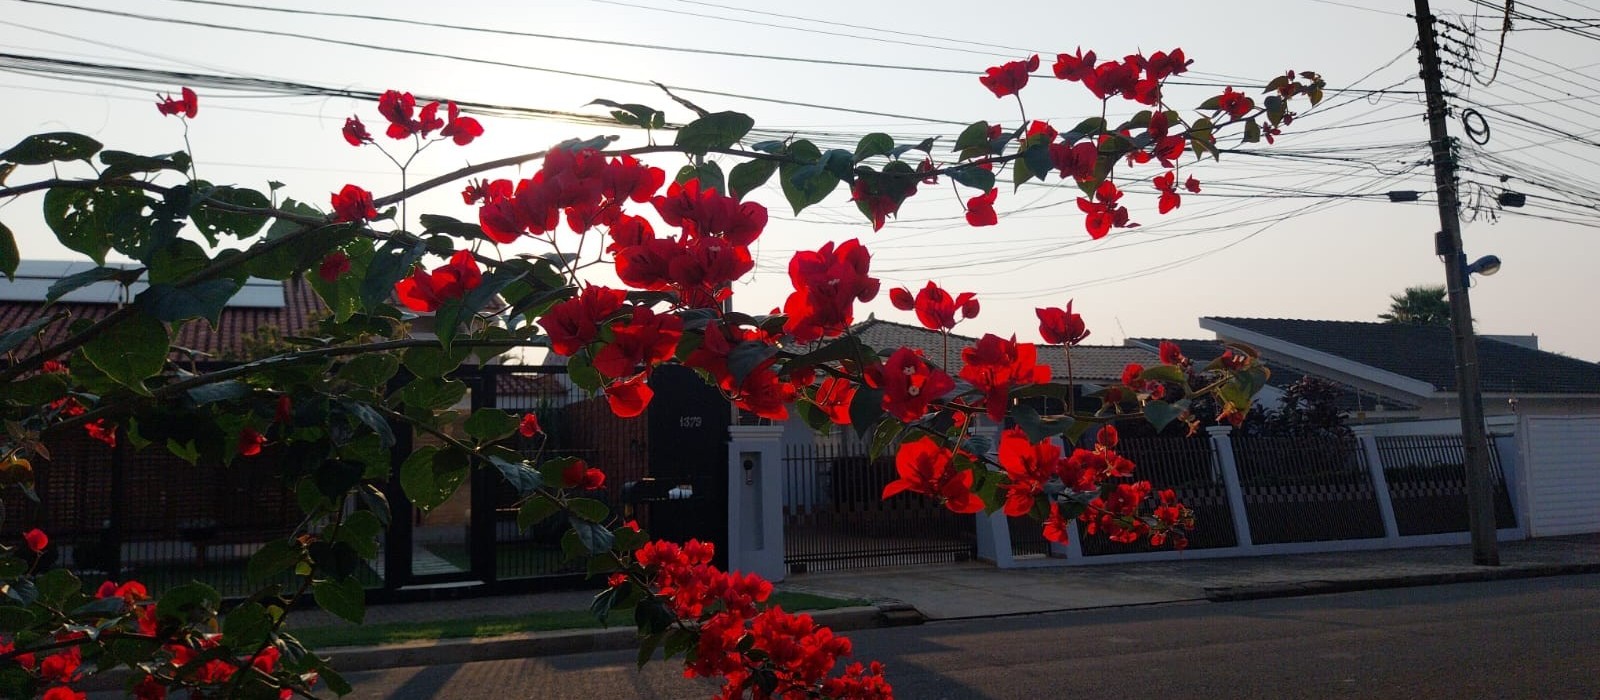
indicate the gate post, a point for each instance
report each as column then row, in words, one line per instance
column 1222, row 446
column 755, row 500
column 1367, row 435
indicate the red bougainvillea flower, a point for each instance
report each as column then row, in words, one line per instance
column 1008, row 78
column 529, row 425
column 1167, row 184
column 1160, row 65
column 424, row 291
column 353, row 204
column 1191, row 184
column 333, row 266
column 706, row 212
column 980, row 209
column 994, row 365
column 486, row 191
column 355, row 133
column 936, row 309
column 627, row 178
column 1061, row 326
column 187, row 105
column 575, row 322
column 460, row 129
column 827, row 284
column 285, row 411
column 579, row 475
column 834, row 396
column 879, row 197
column 629, row 397
column 1029, row 467
column 1056, row 527
column 62, row 692
column 102, row 431
column 36, row 540
column 1104, row 212
column 1235, row 104
column 645, row 338
column 909, row 384
column 398, row 107
column 53, row 367
column 1171, row 354
column 1075, row 67
column 250, row 442
column 132, row 591
column 924, row 467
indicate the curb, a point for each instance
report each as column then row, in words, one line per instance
column 1226, row 594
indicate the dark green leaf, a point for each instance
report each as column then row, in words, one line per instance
column 490, row 424
column 647, row 647
column 14, row 618
column 121, row 163
column 17, row 336
column 372, row 419
column 390, row 263
column 873, row 144
column 131, row 351
column 435, row 223
column 190, row 602
column 77, row 218
column 589, row 509
column 432, row 394
column 274, row 557
column 885, row 435
column 976, row 135
column 976, row 178
column 632, row 114
column 430, row 476
column 768, row 146
column 594, row 537
column 805, row 185
column 246, row 626
column 213, row 220
column 433, row 362
column 371, row 370
column 9, row 255
column 35, row 390
column 360, row 530
column 749, row 175
column 83, row 279
column 204, row 300
column 335, row 478
column 221, row 391
column 837, row 162
column 343, row 597
column 39, row 149
column 747, row 357
column 719, row 130
column 709, row 174
column 1164, row 373
column 534, row 510
column 866, row 407
column 522, row 478
column 926, row 146
column 1160, row 413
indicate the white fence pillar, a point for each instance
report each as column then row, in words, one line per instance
column 755, row 500
column 1222, row 446
column 1367, row 435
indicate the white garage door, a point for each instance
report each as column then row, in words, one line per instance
column 1563, row 474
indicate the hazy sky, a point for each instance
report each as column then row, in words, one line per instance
column 1300, row 229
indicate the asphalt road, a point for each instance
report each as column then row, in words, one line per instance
column 1529, row 638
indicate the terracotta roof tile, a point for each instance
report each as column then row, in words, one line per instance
column 1090, row 363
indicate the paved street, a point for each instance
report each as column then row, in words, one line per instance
column 1507, row 639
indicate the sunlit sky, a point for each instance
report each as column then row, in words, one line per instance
column 1300, row 229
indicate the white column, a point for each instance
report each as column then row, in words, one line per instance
column 755, row 500
column 1222, row 445
column 1367, row 434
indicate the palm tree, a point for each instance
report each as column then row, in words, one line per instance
column 1423, row 306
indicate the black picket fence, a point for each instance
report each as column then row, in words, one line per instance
column 1306, row 489
column 835, row 516
column 1428, row 484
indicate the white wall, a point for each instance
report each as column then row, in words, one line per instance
column 1561, row 458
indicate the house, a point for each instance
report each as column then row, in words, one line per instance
column 1360, row 406
column 1414, row 365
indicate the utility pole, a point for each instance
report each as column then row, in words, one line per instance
column 1447, row 243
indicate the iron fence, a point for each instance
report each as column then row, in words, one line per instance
column 1306, row 489
column 1428, row 484
column 835, row 516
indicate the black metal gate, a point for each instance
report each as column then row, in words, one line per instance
column 1427, row 480
column 835, row 516
column 1307, row 489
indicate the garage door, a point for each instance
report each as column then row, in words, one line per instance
column 1563, row 472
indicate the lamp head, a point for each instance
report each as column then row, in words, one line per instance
column 1486, row 265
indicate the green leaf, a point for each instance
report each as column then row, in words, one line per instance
column 335, row 478
column 746, row 177
column 77, row 219
column 122, row 163
column 283, row 261
column 873, row 144
column 1252, row 132
column 186, row 451
column 246, row 626
column 131, row 351
column 213, row 220
column 37, row 389
column 1164, row 373
column 430, row 476
column 371, row 370
column 975, row 136
column 17, row 336
column 343, row 597
column 372, row 419
column 39, row 149
column 534, row 511
column 633, row 114
column 1160, row 413
column 708, row 173
column 805, row 185
column 14, row 618
column 390, row 263
column 1020, row 173
column 747, row 357
column 431, row 393
column 360, row 530
column 719, row 130
column 885, row 435
column 221, row 391
column 589, row 509
column 10, row 257
column 190, row 602
column 866, row 408
column 435, row 223
column 343, row 294
column 12, row 567
column 594, row 537
column 523, row 478
column 274, row 557
column 204, row 300
column 837, row 163
column 974, row 177
column 427, row 361
column 69, row 283
column 490, row 424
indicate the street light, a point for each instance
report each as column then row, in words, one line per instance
column 1486, row 265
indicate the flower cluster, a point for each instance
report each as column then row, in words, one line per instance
column 768, row 652
column 936, row 309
